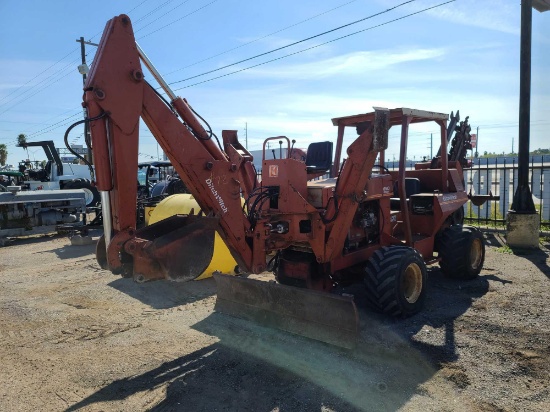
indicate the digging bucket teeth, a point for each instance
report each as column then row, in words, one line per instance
column 316, row 315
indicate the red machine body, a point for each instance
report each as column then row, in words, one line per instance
column 322, row 231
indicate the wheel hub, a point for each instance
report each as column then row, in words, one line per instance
column 89, row 196
column 411, row 283
column 476, row 254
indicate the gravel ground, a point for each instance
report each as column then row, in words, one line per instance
column 75, row 337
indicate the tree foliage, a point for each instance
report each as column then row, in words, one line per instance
column 3, row 154
column 532, row 153
column 22, row 140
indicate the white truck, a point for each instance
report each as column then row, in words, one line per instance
column 57, row 175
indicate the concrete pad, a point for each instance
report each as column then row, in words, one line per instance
column 522, row 230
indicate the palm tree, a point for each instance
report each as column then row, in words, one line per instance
column 3, row 154
column 22, row 142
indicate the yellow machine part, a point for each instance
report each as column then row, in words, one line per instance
column 222, row 261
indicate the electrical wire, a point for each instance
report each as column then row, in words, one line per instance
column 161, row 16
column 151, row 12
column 313, row 47
column 261, row 38
column 38, row 84
column 295, row 43
column 181, row 18
column 38, row 75
column 61, row 123
column 139, row 5
column 50, row 76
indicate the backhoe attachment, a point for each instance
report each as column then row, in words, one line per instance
column 178, row 248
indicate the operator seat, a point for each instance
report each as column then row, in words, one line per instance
column 319, row 157
column 412, row 187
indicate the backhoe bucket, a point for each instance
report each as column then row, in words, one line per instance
column 321, row 316
column 181, row 245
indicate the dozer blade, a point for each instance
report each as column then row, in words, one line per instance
column 321, row 316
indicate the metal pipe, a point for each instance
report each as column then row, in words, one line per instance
column 107, row 218
column 444, row 158
column 402, row 187
column 105, row 196
column 338, row 154
column 155, row 73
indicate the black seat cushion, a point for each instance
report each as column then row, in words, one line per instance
column 319, row 157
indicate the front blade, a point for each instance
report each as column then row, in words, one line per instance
column 321, row 316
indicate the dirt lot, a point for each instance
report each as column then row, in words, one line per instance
column 74, row 337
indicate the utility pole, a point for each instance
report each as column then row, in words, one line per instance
column 431, row 145
column 83, row 69
column 512, row 145
column 246, row 135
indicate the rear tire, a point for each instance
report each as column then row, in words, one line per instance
column 462, row 252
column 92, row 194
column 395, row 281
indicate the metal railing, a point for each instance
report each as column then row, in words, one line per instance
column 498, row 175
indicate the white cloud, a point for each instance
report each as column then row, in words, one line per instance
column 496, row 15
column 357, row 63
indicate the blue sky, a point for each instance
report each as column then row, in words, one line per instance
column 463, row 55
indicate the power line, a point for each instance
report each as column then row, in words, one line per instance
column 50, row 128
column 318, row 45
column 46, row 70
column 161, row 16
column 181, row 18
column 144, row 1
column 261, row 38
column 40, row 90
column 153, row 11
column 42, row 72
column 296, row 42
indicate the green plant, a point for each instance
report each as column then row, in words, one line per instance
column 3, row 154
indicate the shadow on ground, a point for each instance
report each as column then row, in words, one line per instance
column 539, row 256
column 73, row 251
column 31, row 239
column 257, row 369
column 164, row 294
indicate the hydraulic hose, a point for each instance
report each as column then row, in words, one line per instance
column 66, row 139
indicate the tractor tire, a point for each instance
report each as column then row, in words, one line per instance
column 462, row 252
column 457, row 217
column 395, row 281
column 92, row 194
column 176, row 186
